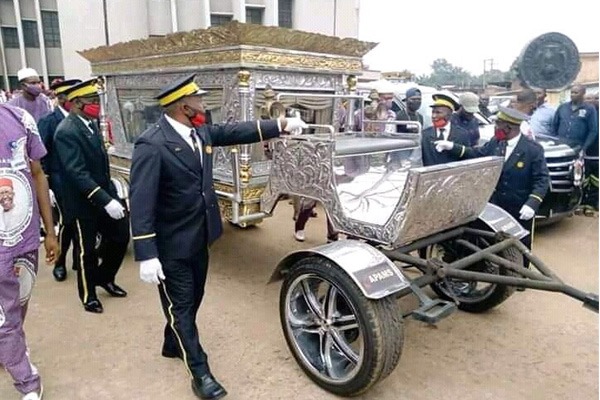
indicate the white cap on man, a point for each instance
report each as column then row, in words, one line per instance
column 384, row 87
column 469, row 102
column 25, row 73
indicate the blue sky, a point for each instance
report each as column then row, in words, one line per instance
column 411, row 34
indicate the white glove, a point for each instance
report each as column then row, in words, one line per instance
column 151, row 271
column 115, row 209
column 526, row 213
column 295, row 125
column 441, row 145
column 52, row 198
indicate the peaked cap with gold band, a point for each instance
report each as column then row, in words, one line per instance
column 511, row 115
column 83, row 89
column 178, row 90
column 443, row 100
column 62, row 86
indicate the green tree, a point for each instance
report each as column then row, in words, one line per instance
column 446, row 74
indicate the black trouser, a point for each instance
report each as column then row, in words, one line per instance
column 528, row 225
column 115, row 239
column 303, row 216
column 590, row 194
column 66, row 235
column 181, row 295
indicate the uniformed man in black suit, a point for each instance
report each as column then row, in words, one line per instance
column 525, row 178
column 175, row 215
column 47, row 127
column 442, row 129
column 91, row 204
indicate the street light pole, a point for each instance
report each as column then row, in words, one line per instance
column 334, row 17
column 105, row 14
column 485, row 62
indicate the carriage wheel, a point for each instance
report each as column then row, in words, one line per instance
column 342, row 340
column 473, row 296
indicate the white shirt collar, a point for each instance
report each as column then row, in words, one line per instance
column 183, row 130
column 64, row 112
column 446, row 129
column 86, row 122
column 513, row 142
column 511, row 145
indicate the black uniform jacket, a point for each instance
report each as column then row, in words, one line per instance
column 174, row 210
column 50, row 163
column 430, row 155
column 525, row 178
column 87, row 187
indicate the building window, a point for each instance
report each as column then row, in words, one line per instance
column 30, row 33
column 285, row 13
column 220, row 19
column 254, row 15
column 11, row 38
column 51, row 29
column 13, row 82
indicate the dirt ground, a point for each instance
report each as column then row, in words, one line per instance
column 536, row 345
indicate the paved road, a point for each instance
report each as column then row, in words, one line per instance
column 534, row 346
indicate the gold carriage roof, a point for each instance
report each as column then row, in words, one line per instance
column 231, row 45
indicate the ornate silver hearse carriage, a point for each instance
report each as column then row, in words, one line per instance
column 339, row 304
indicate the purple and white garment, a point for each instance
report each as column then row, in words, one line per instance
column 20, row 143
column 38, row 108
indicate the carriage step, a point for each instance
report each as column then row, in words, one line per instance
column 432, row 311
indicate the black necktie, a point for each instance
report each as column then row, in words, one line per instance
column 502, row 148
column 441, row 133
column 195, row 144
column 94, row 127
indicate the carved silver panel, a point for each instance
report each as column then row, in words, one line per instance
column 442, row 197
column 290, row 80
column 114, row 115
column 156, row 81
column 379, row 200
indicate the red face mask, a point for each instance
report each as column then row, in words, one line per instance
column 67, row 105
column 440, row 123
column 198, row 120
column 500, row 134
column 91, row 110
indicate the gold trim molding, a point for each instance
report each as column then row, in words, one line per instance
column 250, row 193
column 231, row 34
column 238, row 57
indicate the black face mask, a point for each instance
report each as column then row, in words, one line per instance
column 413, row 105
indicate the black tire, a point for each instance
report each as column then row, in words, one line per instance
column 379, row 332
column 494, row 295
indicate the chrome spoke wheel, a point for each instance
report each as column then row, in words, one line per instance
column 324, row 327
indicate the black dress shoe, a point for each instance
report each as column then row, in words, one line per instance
column 207, row 388
column 93, row 306
column 60, row 273
column 114, row 290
